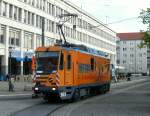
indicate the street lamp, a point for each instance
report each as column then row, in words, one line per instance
column 11, row 86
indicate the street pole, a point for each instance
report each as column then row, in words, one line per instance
column 9, row 63
column 11, row 86
column 10, row 50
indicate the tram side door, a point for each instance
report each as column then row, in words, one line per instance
column 68, row 69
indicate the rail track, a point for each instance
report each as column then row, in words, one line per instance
column 42, row 109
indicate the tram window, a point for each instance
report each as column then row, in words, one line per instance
column 61, row 67
column 69, row 62
column 92, row 63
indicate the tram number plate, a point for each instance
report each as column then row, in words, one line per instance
column 63, row 94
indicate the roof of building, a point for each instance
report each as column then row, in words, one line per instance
column 131, row 36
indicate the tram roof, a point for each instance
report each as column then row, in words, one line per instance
column 87, row 50
column 80, row 48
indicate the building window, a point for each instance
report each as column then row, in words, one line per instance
column 124, row 61
column 17, row 36
column 140, row 55
column 28, row 40
column 50, row 26
column 131, row 55
column 4, row 9
column 38, row 40
column 25, row 16
column 32, row 19
column 33, row 2
column 19, row 14
column 125, row 55
column 2, row 35
column 124, row 42
column 37, row 20
column 10, row 11
column 15, row 13
column 49, row 41
column 29, row 18
column 14, row 36
column 52, row 10
column 118, row 61
column 124, row 49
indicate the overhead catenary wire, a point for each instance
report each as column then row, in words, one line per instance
column 122, row 20
column 119, row 21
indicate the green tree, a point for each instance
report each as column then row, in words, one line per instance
column 145, row 16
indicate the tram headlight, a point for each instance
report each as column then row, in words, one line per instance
column 53, row 89
column 36, row 88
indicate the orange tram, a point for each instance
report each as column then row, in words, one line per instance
column 69, row 73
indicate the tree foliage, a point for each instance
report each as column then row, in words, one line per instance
column 145, row 16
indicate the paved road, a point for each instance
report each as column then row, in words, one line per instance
column 121, row 101
column 43, row 109
column 8, row 107
column 119, row 97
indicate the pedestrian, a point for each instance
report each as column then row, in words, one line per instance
column 7, row 77
column 113, row 74
column 10, row 84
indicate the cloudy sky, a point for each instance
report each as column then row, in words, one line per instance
column 110, row 11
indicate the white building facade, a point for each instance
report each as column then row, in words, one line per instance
column 21, row 29
column 129, row 55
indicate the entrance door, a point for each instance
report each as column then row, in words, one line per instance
column 68, row 70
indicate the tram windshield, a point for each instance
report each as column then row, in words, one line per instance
column 46, row 62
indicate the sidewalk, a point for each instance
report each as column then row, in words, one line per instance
column 21, row 89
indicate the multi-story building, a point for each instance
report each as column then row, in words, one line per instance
column 129, row 55
column 21, row 29
column 148, row 60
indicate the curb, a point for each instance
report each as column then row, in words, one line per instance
column 129, row 82
column 16, row 96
